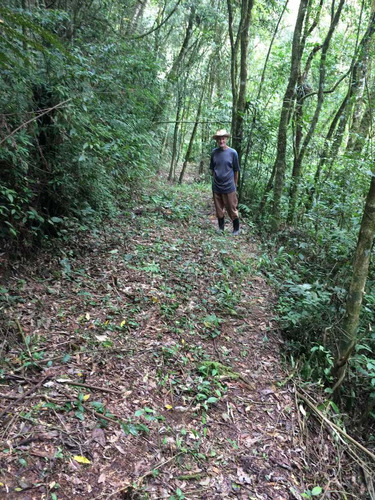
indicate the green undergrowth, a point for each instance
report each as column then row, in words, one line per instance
column 311, row 270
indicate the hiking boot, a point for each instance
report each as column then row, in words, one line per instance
column 221, row 223
column 236, row 227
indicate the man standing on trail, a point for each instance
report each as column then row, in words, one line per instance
column 224, row 169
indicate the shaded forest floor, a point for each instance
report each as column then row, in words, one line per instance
column 143, row 361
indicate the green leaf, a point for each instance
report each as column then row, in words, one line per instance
column 211, row 400
column 316, row 491
column 335, row 407
column 79, row 415
column 97, row 405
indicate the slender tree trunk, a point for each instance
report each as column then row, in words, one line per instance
column 268, row 189
column 239, row 80
column 361, row 122
column 349, row 338
column 325, row 154
column 173, row 74
column 189, row 30
column 254, row 118
column 183, row 128
column 360, row 133
column 280, row 161
column 297, row 168
column 135, row 15
column 164, row 144
column 337, row 128
column 195, row 128
column 175, row 139
column 302, row 91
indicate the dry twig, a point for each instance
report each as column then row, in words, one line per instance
column 335, row 427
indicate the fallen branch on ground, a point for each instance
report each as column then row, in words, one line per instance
column 87, row 386
column 334, row 426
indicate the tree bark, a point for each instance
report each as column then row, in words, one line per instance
column 254, row 117
column 300, row 153
column 349, row 338
column 175, row 138
column 195, row 128
column 336, row 132
column 360, row 133
column 289, row 97
column 239, row 48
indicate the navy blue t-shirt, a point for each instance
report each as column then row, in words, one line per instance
column 224, row 162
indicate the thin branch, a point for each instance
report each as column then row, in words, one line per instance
column 25, row 395
column 335, row 427
column 87, row 386
column 124, row 488
column 269, row 50
column 159, row 25
column 332, row 89
column 184, row 121
column 25, row 341
column 35, row 118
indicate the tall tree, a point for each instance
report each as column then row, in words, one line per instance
column 301, row 148
column 289, row 96
column 250, row 137
column 194, row 131
column 338, row 125
column 348, row 337
column 239, row 69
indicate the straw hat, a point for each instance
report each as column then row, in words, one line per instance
column 221, row 133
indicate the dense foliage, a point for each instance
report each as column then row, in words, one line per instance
column 83, row 114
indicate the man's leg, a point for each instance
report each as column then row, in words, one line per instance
column 219, row 207
column 231, row 204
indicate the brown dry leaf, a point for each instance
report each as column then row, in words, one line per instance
column 98, row 436
column 46, row 453
column 102, row 478
column 266, row 392
column 215, row 470
column 205, row 482
column 120, row 449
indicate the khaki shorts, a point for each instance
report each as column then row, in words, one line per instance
column 226, row 201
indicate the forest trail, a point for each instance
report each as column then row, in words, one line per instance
column 146, row 364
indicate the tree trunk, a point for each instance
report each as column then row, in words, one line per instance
column 360, row 133
column 254, row 118
column 239, row 80
column 280, row 161
column 137, row 12
column 300, row 153
column 171, row 175
column 195, row 128
column 348, row 338
column 189, row 30
column 337, row 128
column 302, row 91
column 181, row 141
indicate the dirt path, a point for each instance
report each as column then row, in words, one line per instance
column 143, row 362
